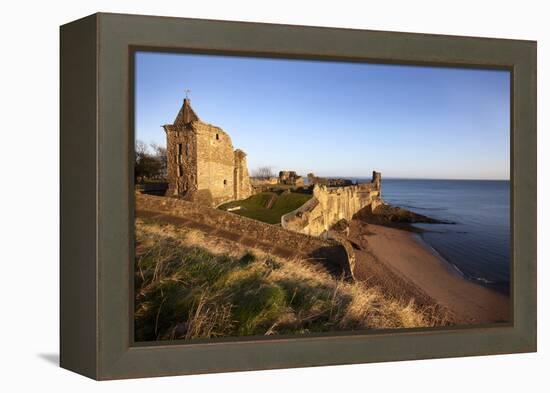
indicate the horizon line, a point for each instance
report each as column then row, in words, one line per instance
column 415, row 178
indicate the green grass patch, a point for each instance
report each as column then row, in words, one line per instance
column 188, row 292
column 268, row 207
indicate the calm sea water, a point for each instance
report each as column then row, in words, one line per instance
column 478, row 244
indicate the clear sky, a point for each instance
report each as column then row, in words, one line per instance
column 337, row 118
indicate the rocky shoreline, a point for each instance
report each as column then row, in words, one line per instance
column 396, row 217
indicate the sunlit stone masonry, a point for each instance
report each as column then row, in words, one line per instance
column 202, row 164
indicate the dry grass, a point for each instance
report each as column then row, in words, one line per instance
column 191, row 286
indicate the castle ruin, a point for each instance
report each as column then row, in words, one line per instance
column 328, row 181
column 202, row 165
column 329, row 205
column 290, row 178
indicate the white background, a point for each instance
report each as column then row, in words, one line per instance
column 29, row 245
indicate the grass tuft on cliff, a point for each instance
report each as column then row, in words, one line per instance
column 268, row 207
column 188, row 286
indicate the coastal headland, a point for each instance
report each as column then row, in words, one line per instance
column 223, row 253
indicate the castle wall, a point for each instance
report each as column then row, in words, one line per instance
column 335, row 254
column 202, row 165
column 241, row 179
column 290, row 178
column 181, row 148
column 271, row 181
column 215, row 163
column 332, row 204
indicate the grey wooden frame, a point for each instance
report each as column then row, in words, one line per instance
column 97, row 197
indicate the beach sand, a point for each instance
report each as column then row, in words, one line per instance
column 401, row 264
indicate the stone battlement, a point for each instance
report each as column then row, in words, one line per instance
column 332, row 204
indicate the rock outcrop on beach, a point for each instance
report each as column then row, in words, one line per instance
column 390, row 215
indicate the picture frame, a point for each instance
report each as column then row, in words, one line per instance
column 97, row 200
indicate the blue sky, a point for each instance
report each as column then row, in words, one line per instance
column 337, row 118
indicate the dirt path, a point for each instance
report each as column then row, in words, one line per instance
column 404, row 266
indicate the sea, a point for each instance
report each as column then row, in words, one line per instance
column 477, row 244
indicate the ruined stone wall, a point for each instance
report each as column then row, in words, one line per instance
column 327, row 181
column 271, row 236
column 241, row 179
column 290, row 178
column 202, row 165
column 215, row 163
column 181, row 148
column 285, row 176
column 332, row 204
column 270, row 181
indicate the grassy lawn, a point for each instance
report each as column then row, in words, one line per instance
column 268, row 206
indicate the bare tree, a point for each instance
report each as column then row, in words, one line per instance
column 263, row 172
column 147, row 166
column 141, row 148
column 162, row 157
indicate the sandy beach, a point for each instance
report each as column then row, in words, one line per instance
column 400, row 263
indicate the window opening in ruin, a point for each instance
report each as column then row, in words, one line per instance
column 180, row 152
column 217, row 136
column 224, row 182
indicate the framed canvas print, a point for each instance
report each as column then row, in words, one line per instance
column 239, row 196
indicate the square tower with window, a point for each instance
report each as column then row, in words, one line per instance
column 203, row 166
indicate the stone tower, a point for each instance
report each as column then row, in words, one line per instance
column 202, row 164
